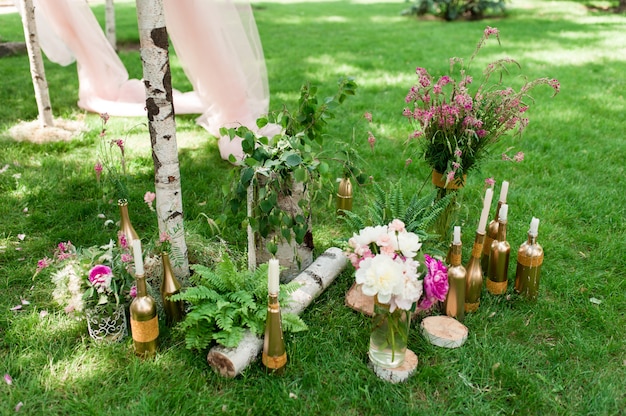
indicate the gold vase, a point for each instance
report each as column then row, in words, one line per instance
column 474, row 275
column 344, row 196
column 274, row 356
column 529, row 261
column 125, row 225
column 491, row 235
column 499, row 254
column 447, row 217
column 144, row 323
column 174, row 310
column 454, row 305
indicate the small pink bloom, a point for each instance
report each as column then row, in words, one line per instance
column 98, row 168
column 397, row 226
column 164, row 236
column 450, row 176
column 43, row 263
column 408, row 162
column 104, row 117
column 371, row 139
column 368, row 116
column 8, row 379
column 458, row 153
column 122, row 240
column 120, row 144
column 126, row 258
column 491, row 31
column 133, row 291
column 490, row 181
column 149, row 198
column 519, row 156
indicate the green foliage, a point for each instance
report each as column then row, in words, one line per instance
column 273, row 166
column 456, row 9
column 225, row 302
column 418, row 215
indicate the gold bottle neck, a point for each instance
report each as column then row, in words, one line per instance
column 141, row 285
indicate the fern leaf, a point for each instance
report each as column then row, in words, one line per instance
column 293, row 323
column 230, row 338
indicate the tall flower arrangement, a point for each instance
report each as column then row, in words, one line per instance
column 391, row 267
column 455, row 123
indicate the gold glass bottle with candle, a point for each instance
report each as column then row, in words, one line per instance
column 473, row 270
column 144, row 323
column 492, row 228
column 344, row 196
column 174, row 310
column 497, row 275
column 454, row 305
column 125, row 225
column 529, row 261
column 274, row 355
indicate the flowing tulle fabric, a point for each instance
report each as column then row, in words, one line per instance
column 216, row 41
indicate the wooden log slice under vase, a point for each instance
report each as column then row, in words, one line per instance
column 398, row 374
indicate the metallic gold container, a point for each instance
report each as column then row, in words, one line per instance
column 474, row 275
column 274, row 356
column 174, row 310
column 344, row 196
column 125, row 225
column 497, row 275
column 529, row 261
column 454, row 305
column 492, row 234
column 144, row 323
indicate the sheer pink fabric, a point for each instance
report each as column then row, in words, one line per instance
column 216, row 41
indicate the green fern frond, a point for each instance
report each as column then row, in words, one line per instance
column 353, row 221
column 230, row 338
column 293, row 323
column 195, row 294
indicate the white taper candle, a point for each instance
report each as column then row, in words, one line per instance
column 503, row 191
column 456, row 239
column 485, row 214
column 137, row 253
column 273, row 273
column 534, row 226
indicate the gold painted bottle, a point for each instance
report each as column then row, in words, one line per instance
column 497, row 275
column 344, row 196
column 474, row 275
column 529, row 261
column 454, row 305
column 144, row 323
column 274, row 354
column 174, row 310
column 125, row 225
column 492, row 228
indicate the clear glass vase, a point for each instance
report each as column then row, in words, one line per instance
column 105, row 324
column 390, row 333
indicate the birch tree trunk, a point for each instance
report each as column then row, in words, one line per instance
column 109, row 23
column 37, row 71
column 162, row 127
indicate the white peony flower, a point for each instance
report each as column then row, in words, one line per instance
column 409, row 244
column 369, row 235
column 381, row 276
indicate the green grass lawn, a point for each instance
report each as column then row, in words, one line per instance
column 563, row 354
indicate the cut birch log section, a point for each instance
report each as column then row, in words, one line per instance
column 356, row 300
column 229, row 362
column 444, row 331
column 398, row 374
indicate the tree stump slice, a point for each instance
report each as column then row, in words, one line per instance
column 356, row 300
column 398, row 374
column 444, row 331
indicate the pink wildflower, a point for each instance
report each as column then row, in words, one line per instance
column 104, row 117
column 490, row 181
column 450, row 176
column 519, row 156
column 149, row 198
column 408, row 162
column 43, row 263
column 458, row 152
column 133, row 291
column 368, row 116
column 164, row 237
column 555, row 85
column 122, row 240
column 126, row 258
column 371, row 139
column 491, row 31
column 98, row 168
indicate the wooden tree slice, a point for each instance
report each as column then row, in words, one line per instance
column 398, row 374
column 444, row 331
column 356, row 300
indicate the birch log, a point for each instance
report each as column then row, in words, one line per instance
column 37, row 72
column 162, row 126
column 230, row 362
column 109, row 23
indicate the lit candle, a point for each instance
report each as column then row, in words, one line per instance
column 485, row 213
column 456, row 235
column 534, row 226
column 503, row 191
column 138, row 257
column 273, row 277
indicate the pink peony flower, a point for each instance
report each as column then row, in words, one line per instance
column 100, row 275
column 436, row 280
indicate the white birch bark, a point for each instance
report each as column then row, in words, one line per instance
column 37, row 71
column 109, row 23
column 230, row 362
column 162, row 127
